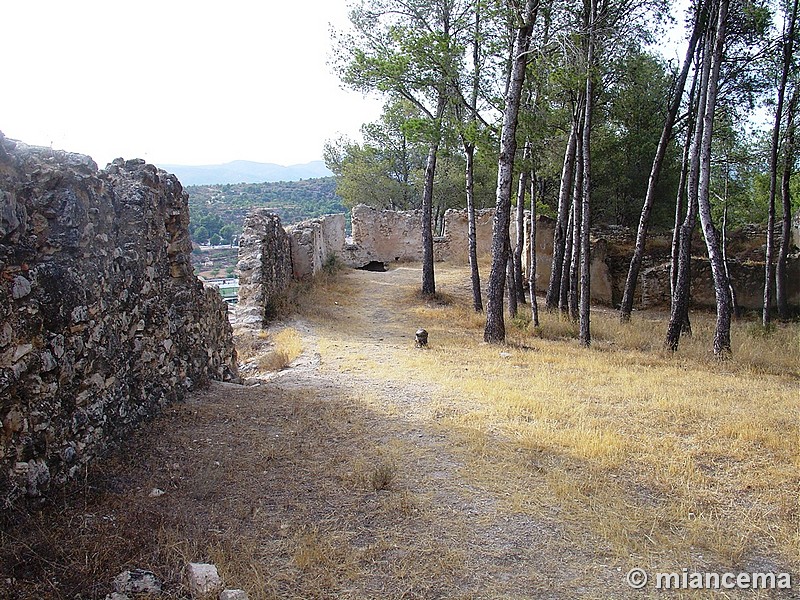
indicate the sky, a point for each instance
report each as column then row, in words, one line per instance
column 176, row 81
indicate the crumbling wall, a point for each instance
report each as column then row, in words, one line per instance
column 390, row 236
column 265, row 264
column 601, row 286
column 102, row 321
column 454, row 245
column 384, row 236
column 747, row 278
column 395, row 235
column 315, row 242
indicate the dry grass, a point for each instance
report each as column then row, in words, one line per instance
column 663, row 459
column 652, row 451
column 287, row 346
column 266, row 351
column 537, row 469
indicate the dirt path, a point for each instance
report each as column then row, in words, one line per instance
column 332, row 479
column 395, row 497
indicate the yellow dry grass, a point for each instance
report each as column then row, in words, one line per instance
column 287, row 346
column 465, row 470
column 268, row 350
column 665, row 457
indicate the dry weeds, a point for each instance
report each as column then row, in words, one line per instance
column 537, row 469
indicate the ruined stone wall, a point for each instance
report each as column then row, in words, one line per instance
column 395, row 235
column 796, row 230
column 384, row 236
column 454, row 245
column 265, row 265
column 747, row 278
column 102, row 321
column 602, row 284
column 390, row 236
column 315, row 242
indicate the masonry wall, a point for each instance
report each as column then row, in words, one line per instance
column 390, row 236
column 453, row 246
column 102, row 322
column 384, row 236
column 748, row 283
column 316, row 242
column 265, row 265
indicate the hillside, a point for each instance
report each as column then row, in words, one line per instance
column 367, row 468
column 219, row 210
column 245, row 171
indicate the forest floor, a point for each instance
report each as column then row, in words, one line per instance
column 368, row 468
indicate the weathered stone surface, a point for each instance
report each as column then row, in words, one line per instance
column 95, row 277
column 453, row 246
column 232, row 595
column 20, row 288
column 203, row 579
column 381, row 236
column 315, row 242
column 265, row 264
column 748, row 284
column 384, row 236
column 137, row 581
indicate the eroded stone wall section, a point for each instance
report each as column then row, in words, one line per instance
column 385, row 236
column 102, row 322
column 315, row 243
column 265, row 265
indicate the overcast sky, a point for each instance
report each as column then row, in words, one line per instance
column 176, row 81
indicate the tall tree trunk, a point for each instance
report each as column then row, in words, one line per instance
column 679, row 208
column 577, row 212
column 725, row 250
column 495, row 330
column 472, row 237
column 428, row 280
column 560, row 232
column 469, row 152
column 786, row 198
column 586, row 255
column 655, row 171
column 532, row 253
column 511, row 291
column 679, row 311
column 519, row 246
column 566, row 267
column 787, row 47
column 722, row 332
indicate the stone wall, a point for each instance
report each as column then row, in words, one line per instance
column 265, row 265
column 747, row 277
column 453, row 246
column 102, row 321
column 796, row 230
column 384, row 236
column 315, row 243
column 390, row 236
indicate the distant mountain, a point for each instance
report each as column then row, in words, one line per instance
column 243, row 171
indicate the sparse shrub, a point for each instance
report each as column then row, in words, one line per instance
column 521, row 321
column 288, row 345
column 332, row 265
column 757, row 331
column 383, row 475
